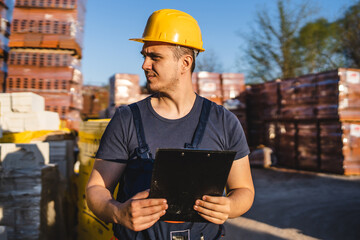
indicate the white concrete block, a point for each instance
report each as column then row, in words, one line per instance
column 26, row 102
column 12, row 122
column 5, row 103
column 33, row 121
column 46, row 120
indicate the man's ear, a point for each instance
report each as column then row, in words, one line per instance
column 187, row 63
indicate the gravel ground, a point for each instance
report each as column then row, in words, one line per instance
column 300, row 205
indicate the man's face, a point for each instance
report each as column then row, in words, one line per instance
column 160, row 66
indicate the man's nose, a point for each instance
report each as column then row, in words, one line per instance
column 146, row 64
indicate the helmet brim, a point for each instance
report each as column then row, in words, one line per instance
column 143, row 40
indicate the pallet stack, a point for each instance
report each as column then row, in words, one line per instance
column 31, row 196
column 312, row 122
column 232, row 85
column 254, row 113
column 6, row 11
column 218, row 87
column 124, row 89
column 45, row 57
column 95, row 101
column 209, row 86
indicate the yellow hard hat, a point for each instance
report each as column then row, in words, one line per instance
column 172, row 26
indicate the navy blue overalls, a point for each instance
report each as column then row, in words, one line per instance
column 137, row 175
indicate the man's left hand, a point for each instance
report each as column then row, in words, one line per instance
column 213, row 209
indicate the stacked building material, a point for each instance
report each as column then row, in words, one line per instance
column 6, row 11
column 209, row 86
column 25, row 112
column 299, row 97
column 271, row 100
column 307, row 146
column 30, row 196
column 233, row 84
column 317, row 122
column 124, row 89
column 218, row 87
column 286, row 150
column 255, row 118
column 89, row 226
column 48, row 24
column 45, row 56
column 339, row 95
column 95, row 101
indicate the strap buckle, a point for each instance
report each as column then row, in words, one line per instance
column 143, row 152
column 189, row 146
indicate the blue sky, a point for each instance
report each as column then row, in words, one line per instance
column 110, row 23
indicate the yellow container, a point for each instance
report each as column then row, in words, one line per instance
column 89, row 226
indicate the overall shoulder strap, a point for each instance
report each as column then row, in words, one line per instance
column 143, row 150
column 200, row 128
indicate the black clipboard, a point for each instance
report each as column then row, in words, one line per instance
column 183, row 175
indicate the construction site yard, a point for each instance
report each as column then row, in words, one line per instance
column 292, row 204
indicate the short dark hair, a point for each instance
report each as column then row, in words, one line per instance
column 180, row 51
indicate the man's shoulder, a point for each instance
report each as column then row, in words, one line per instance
column 143, row 102
column 219, row 109
column 125, row 111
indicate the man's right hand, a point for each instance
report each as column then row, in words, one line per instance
column 140, row 213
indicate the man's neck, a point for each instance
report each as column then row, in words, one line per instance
column 174, row 105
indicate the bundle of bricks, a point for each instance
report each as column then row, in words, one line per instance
column 45, row 54
column 218, row 87
column 6, row 10
column 95, row 101
column 311, row 122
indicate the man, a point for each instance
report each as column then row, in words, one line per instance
column 168, row 119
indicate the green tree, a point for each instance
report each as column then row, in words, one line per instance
column 318, row 47
column 272, row 51
column 350, row 35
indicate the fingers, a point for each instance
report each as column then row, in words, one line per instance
column 141, row 195
column 212, row 219
column 146, row 202
column 213, row 209
column 140, row 212
column 139, row 208
column 145, row 221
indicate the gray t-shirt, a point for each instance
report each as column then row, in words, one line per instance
column 223, row 131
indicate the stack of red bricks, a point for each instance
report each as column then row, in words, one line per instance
column 218, row 87
column 45, row 57
column 6, row 10
column 49, row 24
column 95, row 101
column 124, row 89
column 315, row 124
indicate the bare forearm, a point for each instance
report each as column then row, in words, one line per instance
column 101, row 203
column 241, row 200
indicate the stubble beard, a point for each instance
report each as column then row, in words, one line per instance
column 155, row 85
